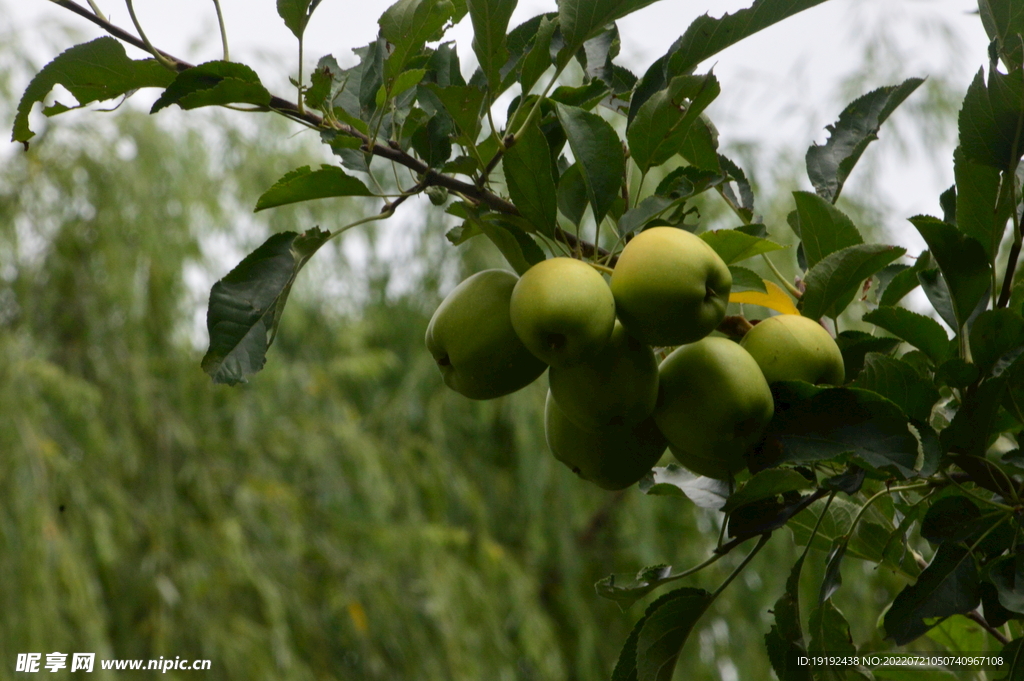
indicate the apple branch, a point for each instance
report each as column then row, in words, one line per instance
column 390, row 151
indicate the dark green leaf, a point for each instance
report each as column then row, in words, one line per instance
column 787, row 608
column 934, row 287
column 303, row 184
column 444, row 67
column 766, row 484
column 246, row 305
column 1013, row 661
column 663, row 122
column 995, row 614
column 490, row 22
column 948, row 586
column 214, row 83
column 572, row 194
column 666, row 629
column 688, row 181
column 531, row 180
column 904, row 282
column 538, row 59
column 856, row 344
column 829, row 165
column 823, row 228
column 971, row 429
column 582, row 19
column 963, row 263
column 627, row 590
column 463, row 104
column 950, row 519
column 832, row 283
column 408, row 25
column 462, row 233
column 91, row 72
column 432, row 141
column 746, row 280
column 677, row 481
column 296, row 14
column 597, row 55
column 991, row 121
column 924, row 333
column 830, row 636
column 898, row 381
column 598, row 153
column 1004, row 23
column 734, row 246
column 956, row 373
column 634, row 219
column 745, row 202
column 521, row 251
column 994, row 334
column 1007, row 575
column 700, row 148
column 833, row 578
column 785, row 657
column 977, row 196
column 585, row 97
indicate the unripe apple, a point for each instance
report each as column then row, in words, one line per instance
column 611, row 458
column 789, row 347
column 713, row 405
column 563, row 311
column 473, row 342
column 670, row 287
column 618, row 387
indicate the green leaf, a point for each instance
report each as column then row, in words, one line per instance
column 538, row 59
column 833, row 578
column 971, row 429
column 948, row 586
column 463, row 103
column 246, row 305
column 634, row 219
column 950, row 519
column 408, row 25
column 688, row 181
column 904, row 282
column 91, row 72
column 326, row 81
column 823, row 228
column 700, row 148
column 303, row 184
column 677, row 481
column 994, row 334
column 627, row 590
column 977, row 194
column 924, row 333
column 531, row 180
column 992, row 120
column 898, row 381
column 734, row 246
column 746, row 280
column 665, row 630
column 432, row 141
column 855, row 345
column 830, row 636
column 934, row 287
column 490, row 23
column 585, row 97
column 598, row 153
column 1007, row 574
column 214, row 83
column 582, row 19
column 1013, row 661
column 296, row 14
column 829, row 165
column 832, row 283
column 1004, row 23
column 785, row 657
column 963, row 263
column 663, row 122
column 766, row 484
column 572, row 194
column 519, row 249
column 399, row 84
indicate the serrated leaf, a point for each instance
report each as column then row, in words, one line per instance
column 303, row 184
column 935, row 289
column 924, row 333
column 823, row 228
column 572, row 194
column 904, row 282
column 432, row 141
column 700, row 148
column 977, row 194
column 463, row 104
column 582, row 19
column 784, row 657
column 490, row 23
column 1004, row 23
column 962, row 260
column 521, row 251
column 994, row 334
column 665, row 631
column 531, row 181
column 744, row 204
column 766, row 484
column 970, row 429
column 538, row 59
column 650, row 208
column 95, row 71
column 662, row 124
column 733, row 246
column 832, row 283
column 744, row 279
column 829, row 165
column 598, row 153
column 830, row 636
column 398, row 85
column 214, row 83
column 246, row 305
column 855, row 345
column 585, row 97
column 833, row 578
column 627, row 590
column 295, row 14
column 408, row 25
column 774, row 299
column 991, row 122
column 948, row 586
column 896, row 380
column 677, row 481
column 950, row 519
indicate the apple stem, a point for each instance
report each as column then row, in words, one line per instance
column 601, row 268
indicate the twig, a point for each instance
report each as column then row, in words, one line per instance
column 976, row 617
column 142, row 34
column 223, row 30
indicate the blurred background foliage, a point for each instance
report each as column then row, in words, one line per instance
column 344, row 516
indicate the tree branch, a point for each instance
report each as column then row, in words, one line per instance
column 392, row 152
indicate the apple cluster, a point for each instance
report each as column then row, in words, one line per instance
column 612, row 409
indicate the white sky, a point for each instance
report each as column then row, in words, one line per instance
column 778, row 87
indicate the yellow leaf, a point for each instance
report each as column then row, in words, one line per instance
column 358, row 615
column 776, row 299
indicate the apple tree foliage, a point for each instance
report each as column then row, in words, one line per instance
column 914, row 464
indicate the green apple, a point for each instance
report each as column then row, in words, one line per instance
column 611, row 458
column 713, row 405
column 473, row 342
column 789, row 347
column 563, row 311
column 670, row 287
column 618, row 387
